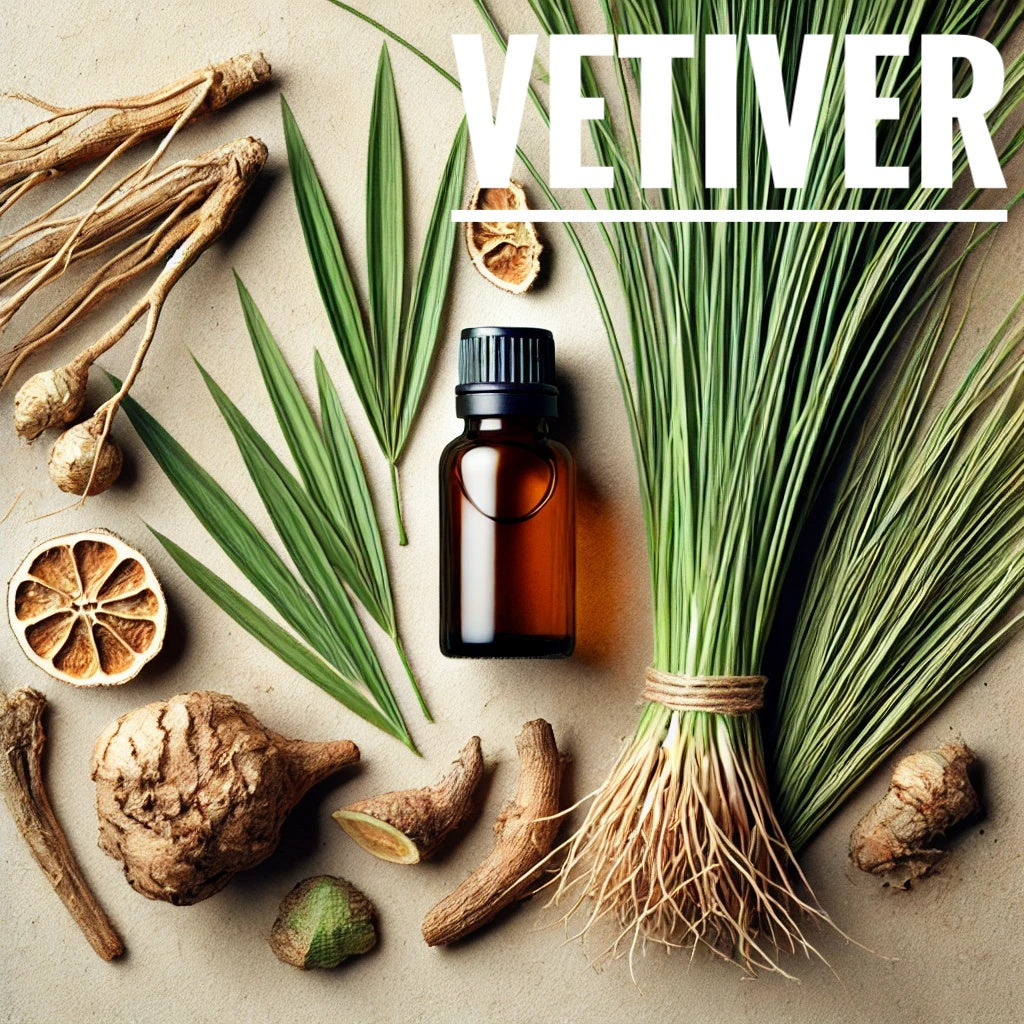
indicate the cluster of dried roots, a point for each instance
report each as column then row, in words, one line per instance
column 680, row 847
column 150, row 218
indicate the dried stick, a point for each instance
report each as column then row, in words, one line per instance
column 523, row 836
column 63, row 140
column 21, row 778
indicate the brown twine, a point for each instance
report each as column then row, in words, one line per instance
column 723, row 695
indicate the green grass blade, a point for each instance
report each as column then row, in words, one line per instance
column 385, row 239
column 235, row 533
column 331, row 491
column 426, row 304
column 332, row 274
column 279, row 641
column 347, row 466
column 291, row 519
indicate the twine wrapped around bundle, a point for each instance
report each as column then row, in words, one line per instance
column 722, row 695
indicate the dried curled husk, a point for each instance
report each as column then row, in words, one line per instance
column 507, row 253
column 53, row 398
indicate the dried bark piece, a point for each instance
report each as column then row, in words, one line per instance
column 191, row 790
column 524, row 834
column 507, row 253
column 21, row 778
column 87, row 608
column 929, row 793
column 408, row 826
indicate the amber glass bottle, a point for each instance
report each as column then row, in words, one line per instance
column 508, row 504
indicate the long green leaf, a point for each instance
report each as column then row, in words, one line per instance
column 236, row 535
column 294, row 518
column 385, row 238
column 337, row 638
column 341, row 509
column 389, row 363
column 278, row 640
column 332, row 491
column 332, row 274
column 426, row 305
column 345, row 459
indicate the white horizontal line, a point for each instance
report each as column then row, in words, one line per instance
column 734, row 216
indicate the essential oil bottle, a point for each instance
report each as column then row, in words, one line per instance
column 508, row 504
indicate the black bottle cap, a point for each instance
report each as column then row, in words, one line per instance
column 506, row 371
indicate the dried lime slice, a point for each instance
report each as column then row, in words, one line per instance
column 87, row 608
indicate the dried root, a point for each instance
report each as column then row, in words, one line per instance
column 409, row 826
column 524, row 834
column 71, row 137
column 186, row 207
column 680, row 847
column 147, row 219
column 929, row 793
column 21, row 778
column 82, row 461
column 191, row 790
column 52, row 398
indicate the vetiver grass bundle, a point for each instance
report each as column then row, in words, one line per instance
column 914, row 586
column 748, row 350
column 752, row 346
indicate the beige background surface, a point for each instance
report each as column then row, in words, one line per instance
column 949, row 950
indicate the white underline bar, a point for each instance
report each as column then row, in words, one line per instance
column 733, row 216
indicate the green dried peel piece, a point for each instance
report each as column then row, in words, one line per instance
column 323, row 921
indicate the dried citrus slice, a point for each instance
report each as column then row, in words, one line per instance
column 507, row 253
column 87, row 608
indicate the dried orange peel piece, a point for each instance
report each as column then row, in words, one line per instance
column 507, row 253
column 87, row 608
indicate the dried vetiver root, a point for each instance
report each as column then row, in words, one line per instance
column 323, row 921
column 524, row 834
column 87, row 609
column 507, row 253
column 21, row 778
column 408, row 826
column 929, row 793
column 53, row 398
column 191, row 790
column 77, row 460
column 189, row 202
column 70, row 137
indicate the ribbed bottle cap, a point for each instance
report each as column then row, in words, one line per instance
column 506, row 371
